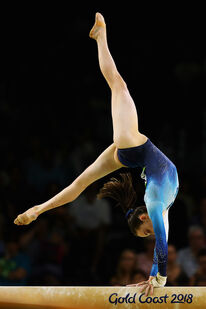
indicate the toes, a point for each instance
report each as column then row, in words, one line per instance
column 99, row 20
column 19, row 220
column 16, row 222
column 99, row 17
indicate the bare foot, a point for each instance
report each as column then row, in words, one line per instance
column 99, row 26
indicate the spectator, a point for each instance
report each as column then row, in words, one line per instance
column 33, row 240
column 175, row 274
column 89, row 213
column 199, row 278
column 47, row 250
column 125, row 268
column 48, row 266
column 138, row 276
column 45, row 144
column 14, row 265
column 92, row 218
column 187, row 257
column 144, row 259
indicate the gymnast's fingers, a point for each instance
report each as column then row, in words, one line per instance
column 147, row 290
column 151, row 290
column 143, row 287
column 134, row 284
column 142, row 283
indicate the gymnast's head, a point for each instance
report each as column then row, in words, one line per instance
column 122, row 191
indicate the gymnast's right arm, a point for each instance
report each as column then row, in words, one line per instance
column 102, row 166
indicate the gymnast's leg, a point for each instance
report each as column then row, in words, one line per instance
column 124, row 113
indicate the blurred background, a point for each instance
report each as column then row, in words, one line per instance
column 55, row 119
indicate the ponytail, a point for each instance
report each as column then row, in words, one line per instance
column 122, row 191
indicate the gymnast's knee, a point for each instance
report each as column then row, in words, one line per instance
column 118, row 83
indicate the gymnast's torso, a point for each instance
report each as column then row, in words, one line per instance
column 159, row 172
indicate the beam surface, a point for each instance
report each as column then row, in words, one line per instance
column 101, row 297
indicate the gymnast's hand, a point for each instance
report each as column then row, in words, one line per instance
column 146, row 286
column 153, row 282
column 27, row 217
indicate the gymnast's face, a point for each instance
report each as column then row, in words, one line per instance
column 146, row 228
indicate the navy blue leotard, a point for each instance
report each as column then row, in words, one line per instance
column 161, row 189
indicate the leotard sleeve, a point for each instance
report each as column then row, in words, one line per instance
column 154, row 269
column 155, row 210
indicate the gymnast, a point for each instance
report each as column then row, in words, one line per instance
column 131, row 149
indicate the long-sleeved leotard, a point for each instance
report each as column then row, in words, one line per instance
column 154, row 269
column 161, row 189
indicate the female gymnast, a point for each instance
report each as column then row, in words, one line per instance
column 130, row 149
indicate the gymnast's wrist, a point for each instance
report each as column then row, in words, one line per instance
column 159, row 281
column 151, row 277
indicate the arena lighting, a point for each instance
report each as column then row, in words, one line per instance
column 100, row 297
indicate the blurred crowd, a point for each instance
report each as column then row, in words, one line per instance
column 55, row 119
column 87, row 242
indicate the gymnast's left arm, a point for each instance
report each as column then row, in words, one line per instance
column 158, row 275
column 155, row 210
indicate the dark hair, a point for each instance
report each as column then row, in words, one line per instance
column 122, row 191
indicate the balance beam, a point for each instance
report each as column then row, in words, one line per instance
column 100, row 297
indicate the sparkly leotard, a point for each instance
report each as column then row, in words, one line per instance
column 161, row 189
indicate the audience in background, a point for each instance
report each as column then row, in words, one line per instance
column 14, row 265
column 138, row 276
column 55, row 120
column 144, row 260
column 125, row 268
column 79, row 243
column 175, row 274
column 187, row 257
column 91, row 219
column 47, row 248
column 199, row 277
column 70, row 244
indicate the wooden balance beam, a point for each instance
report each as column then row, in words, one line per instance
column 101, row 297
